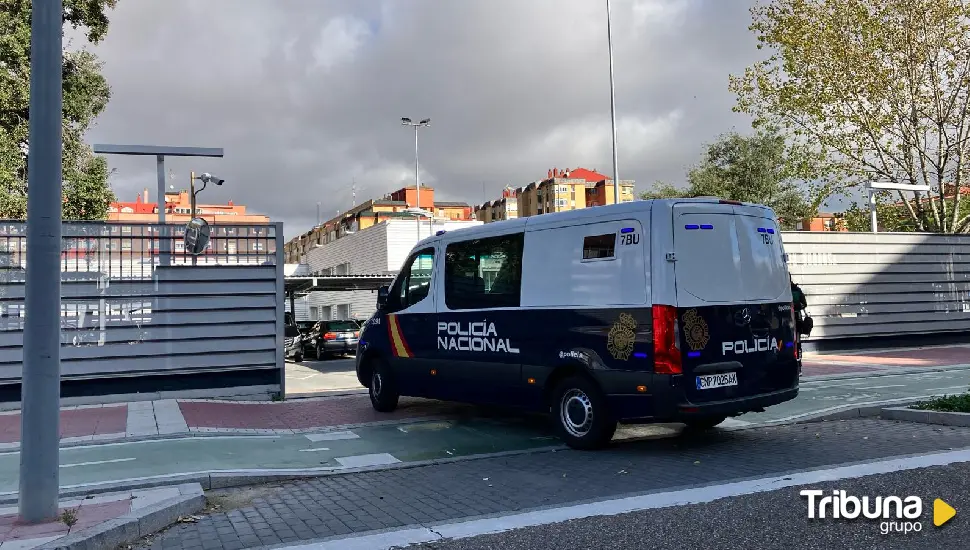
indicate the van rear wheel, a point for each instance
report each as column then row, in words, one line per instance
column 583, row 418
column 383, row 390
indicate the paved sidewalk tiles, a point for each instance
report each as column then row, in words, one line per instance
column 297, row 415
column 350, row 503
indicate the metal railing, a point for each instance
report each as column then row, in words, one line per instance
column 131, row 250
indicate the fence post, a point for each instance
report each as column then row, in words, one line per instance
column 280, row 308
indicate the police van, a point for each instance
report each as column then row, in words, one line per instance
column 645, row 311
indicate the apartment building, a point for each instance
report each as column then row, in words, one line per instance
column 393, row 206
column 178, row 207
column 372, row 238
column 561, row 190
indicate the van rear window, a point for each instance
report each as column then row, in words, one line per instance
column 599, row 246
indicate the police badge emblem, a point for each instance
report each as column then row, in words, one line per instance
column 695, row 330
column 622, row 336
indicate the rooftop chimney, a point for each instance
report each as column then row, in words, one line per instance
column 145, row 195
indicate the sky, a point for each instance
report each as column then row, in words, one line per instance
column 306, row 97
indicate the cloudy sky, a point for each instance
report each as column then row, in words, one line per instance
column 306, row 96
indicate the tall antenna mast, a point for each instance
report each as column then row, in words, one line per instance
column 353, row 193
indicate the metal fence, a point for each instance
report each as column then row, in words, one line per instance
column 885, row 284
column 134, row 304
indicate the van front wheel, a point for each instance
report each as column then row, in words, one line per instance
column 582, row 416
column 383, row 391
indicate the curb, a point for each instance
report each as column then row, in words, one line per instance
column 135, row 524
column 874, row 371
column 927, row 417
column 238, row 478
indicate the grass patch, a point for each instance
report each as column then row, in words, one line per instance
column 947, row 403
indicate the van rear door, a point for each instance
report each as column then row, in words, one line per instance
column 733, row 302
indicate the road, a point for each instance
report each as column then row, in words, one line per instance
column 767, row 520
column 410, row 441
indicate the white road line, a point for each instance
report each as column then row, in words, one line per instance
column 963, row 387
column 363, row 461
column 96, row 462
column 169, row 417
column 883, row 387
column 332, row 436
column 697, row 495
column 314, row 449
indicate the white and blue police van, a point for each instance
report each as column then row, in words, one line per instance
column 645, row 311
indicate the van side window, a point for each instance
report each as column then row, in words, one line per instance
column 597, row 247
column 414, row 282
column 484, row 273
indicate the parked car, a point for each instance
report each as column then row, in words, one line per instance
column 293, row 343
column 328, row 338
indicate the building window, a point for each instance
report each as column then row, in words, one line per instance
column 561, row 202
column 484, row 273
column 126, row 244
column 314, row 313
column 597, row 247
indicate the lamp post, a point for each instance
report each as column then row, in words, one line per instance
column 41, row 382
column 874, row 185
column 609, row 39
column 405, row 121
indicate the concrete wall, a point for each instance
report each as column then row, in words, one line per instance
column 887, row 284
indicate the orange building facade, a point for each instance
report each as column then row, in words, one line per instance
column 178, row 206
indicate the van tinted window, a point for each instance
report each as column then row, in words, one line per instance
column 599, row 246
column 484, row 273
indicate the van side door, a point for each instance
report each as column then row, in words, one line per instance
column 409, row 318
column 479, row 323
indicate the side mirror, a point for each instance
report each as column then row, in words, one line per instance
column 382, row 293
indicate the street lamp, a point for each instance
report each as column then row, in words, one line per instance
column 419, row 213
column 405, row 121
column 609, row 39
column 884, row 185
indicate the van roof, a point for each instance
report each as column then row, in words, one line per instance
column 583, row 214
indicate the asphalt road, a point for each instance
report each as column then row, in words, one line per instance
column 762, row 521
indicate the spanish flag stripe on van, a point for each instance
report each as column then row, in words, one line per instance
column 398, row 345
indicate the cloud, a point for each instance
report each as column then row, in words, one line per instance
column 306, row 97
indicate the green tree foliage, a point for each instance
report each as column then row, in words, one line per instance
column 86, row 93
column 870, row 90
column 754, row 168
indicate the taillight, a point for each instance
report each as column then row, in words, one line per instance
column 356, row 335
column 726, row 201
column 666, row 340
column 330, row 336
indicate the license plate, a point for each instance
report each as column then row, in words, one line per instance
column 346, row 336
column 709, row 381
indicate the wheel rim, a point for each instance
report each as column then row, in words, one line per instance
column 576, row 413
column 376, row 385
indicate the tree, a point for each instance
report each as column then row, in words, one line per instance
column 870, row 90
column 86, row 93
column 754, row 168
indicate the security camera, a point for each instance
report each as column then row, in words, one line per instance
column 209, row 178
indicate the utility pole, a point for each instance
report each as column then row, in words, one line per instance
column 609, row 38
column 41, row 379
